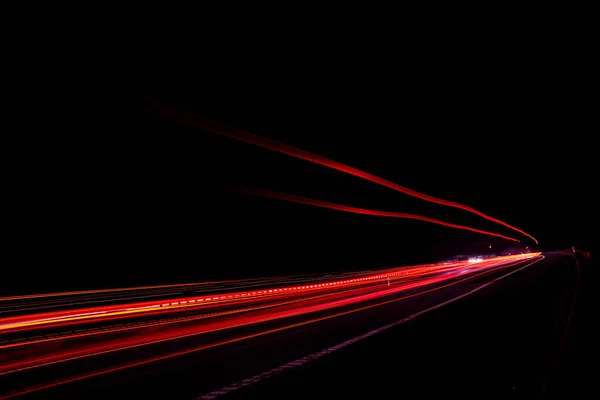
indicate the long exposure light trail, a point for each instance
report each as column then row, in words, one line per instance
column 238, row 134
column 23, row 304
column 350, row 291
column 154, row 323
column 414, row 281
column 364, row 211
column 30, row 321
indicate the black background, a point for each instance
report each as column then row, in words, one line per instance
column 105, row 193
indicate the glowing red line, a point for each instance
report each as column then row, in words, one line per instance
column 250, row 336
column 240, row 321
column 364, row 211
column 55, row 318
column 260, row 141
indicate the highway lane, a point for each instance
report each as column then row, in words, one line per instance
column 115, row 356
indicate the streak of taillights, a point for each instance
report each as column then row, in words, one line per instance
column 241, row 338
column 126, row 310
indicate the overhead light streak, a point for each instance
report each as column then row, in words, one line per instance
column 238, row 134
column 364, row 211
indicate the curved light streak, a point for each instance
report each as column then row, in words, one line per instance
column 364, row 211
column 270, row 144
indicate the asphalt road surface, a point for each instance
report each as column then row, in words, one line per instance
column 485, row 331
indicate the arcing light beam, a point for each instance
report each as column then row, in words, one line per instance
column 364, row 211
column 260, row 141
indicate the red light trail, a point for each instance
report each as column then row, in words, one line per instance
column 119, row 311
column 273, row 145
column 364, row 211
column 254, row 310
column 404, row 278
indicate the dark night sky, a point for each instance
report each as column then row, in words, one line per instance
column 113, row 195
